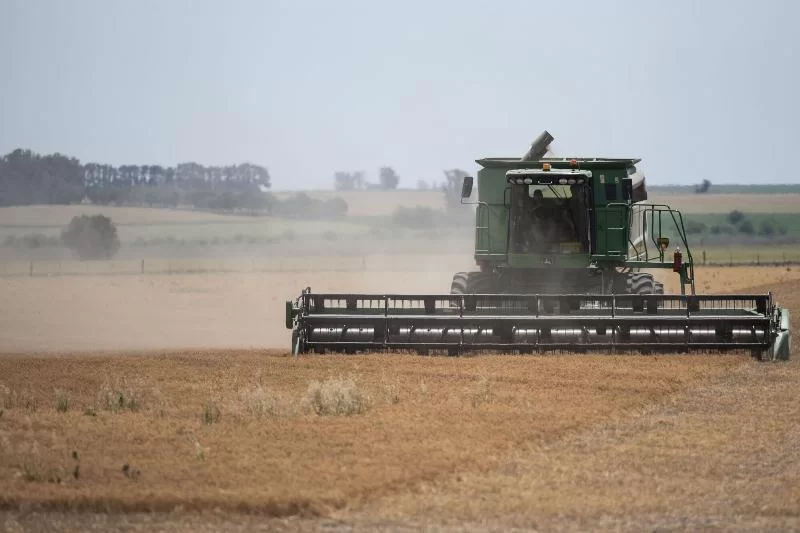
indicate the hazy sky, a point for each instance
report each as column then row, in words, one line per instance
column 697, row 89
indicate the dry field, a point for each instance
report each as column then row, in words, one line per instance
column 380, row 203
column 219, row 310
column 368, row 203
column 241, row 439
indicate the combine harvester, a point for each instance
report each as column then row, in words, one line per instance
column 563, row 247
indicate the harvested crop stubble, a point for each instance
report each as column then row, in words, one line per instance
column 455, row 415
column 556, row 442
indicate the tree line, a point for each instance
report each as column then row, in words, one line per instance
column 353, row 181
column 28, row 178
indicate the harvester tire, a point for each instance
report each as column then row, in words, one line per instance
column 643, row 283
column 459, row 285
column 471, row 283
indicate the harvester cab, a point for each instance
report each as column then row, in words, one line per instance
column 565, row 250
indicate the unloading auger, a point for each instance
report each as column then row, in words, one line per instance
column 563, row 249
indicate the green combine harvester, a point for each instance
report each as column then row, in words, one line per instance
column 563, row 248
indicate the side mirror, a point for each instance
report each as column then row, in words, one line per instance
column 466, row 187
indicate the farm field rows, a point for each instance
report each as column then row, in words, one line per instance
column 486, row 442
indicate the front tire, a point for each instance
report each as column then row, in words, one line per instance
column 472, row 283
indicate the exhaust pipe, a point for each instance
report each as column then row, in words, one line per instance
column 538, row 147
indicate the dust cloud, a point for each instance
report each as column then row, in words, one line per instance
column 198, row 282
column 215, row 301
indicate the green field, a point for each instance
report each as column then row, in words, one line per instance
column 738, row 254
column 728, row 188
column 718, row 225
column 371, row 219
column 150, row 224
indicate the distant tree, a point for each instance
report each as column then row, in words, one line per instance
column 388, row 178
column 335, row 207
column 91, row 237
column 422, row 185
column 703, row 187
column 746, row 227
column 343, row 181
column 29, row 178
column 766, row 228
column 452, row 187
column 735, row 216
column 348, row 181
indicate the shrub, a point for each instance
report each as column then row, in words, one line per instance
column 735, row 216
column 721, row 229
column 211, row 413
column 8, row 397
column 694, row 227
column 259, row 402
column 31, row 240
column 62, row 401
column 766, row 228
column 119, row 396
column 336, row 396
column 746, row 227
column 91, row 237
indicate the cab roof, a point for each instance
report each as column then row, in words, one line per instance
column 588, row 163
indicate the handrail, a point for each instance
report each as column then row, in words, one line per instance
column 486, row 228
column 647, row 209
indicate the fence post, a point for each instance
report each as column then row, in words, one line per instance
column 758, row 259
column 704, row 257
column 30, row 268
column 142, row 267
column 730, row 260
